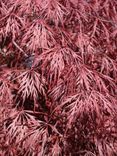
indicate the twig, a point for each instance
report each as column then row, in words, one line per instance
column 19, row 48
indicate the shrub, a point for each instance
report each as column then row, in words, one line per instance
column 58, row 78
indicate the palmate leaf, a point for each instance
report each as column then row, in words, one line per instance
column 88, row 79
column 66, row 85
column 38, row 35
column 53, row 11
column 20, row 121
column 38, row 137
column 31, row 84
column 55, row 60
column 11, row 24
column 89, row 103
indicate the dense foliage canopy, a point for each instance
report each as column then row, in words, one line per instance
column 58, row 77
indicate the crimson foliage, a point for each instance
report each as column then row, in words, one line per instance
column 58, row 77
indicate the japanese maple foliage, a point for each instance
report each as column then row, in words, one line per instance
column 58, row 77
